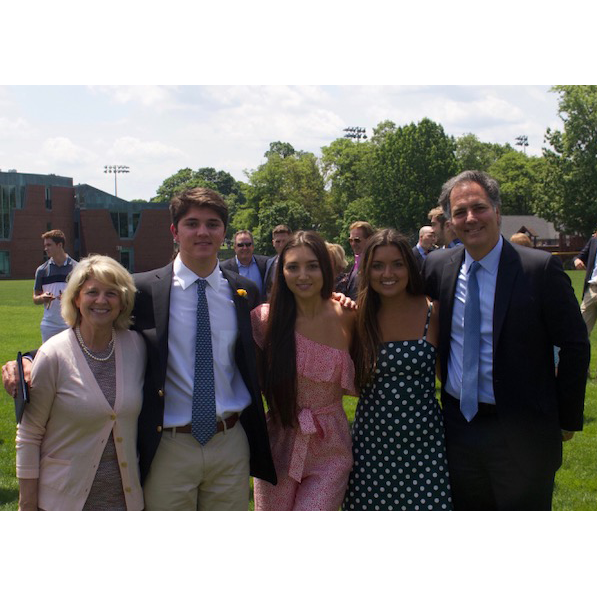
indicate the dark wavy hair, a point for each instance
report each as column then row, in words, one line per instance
column 279, row 351
column 367, row 337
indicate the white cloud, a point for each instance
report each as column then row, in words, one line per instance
column 150, row 96
column 17, row 128
column 61, row 150
column 133, row 148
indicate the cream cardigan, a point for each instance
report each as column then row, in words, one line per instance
column 65, row 427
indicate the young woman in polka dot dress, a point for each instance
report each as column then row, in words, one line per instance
column 398, row 436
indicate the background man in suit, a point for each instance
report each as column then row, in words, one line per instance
column 280, row 237
column 587, row 259
column 358, row 235
column 211, row 472
column 245, row 262
column 503, row 307
column 424, row 246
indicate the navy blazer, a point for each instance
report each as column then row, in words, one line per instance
column 151, row 314
column 535, row 310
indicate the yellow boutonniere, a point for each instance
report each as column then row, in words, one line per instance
column 241, row 292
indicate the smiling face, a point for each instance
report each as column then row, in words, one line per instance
column 199, row 234
column 243, row 248
column 99, row 304
column 302, row 272
column 388, row 273
column 476, row 222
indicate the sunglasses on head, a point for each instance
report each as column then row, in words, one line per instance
column 240, row 245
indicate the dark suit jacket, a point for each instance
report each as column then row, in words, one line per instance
column 261, row 260
column 535, row 310
column 587, row 256
column 418, row 258
column 351, row 288
column 151, row 313
column 270, row 272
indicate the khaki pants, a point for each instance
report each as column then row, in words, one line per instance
column 588, row 307
column 185, row 475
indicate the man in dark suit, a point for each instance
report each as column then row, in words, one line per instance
column 280, row 236
column 246, row 263
column 180, row 472
column 503, row 307
column 587, row 260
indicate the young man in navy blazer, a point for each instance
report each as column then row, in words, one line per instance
column 177, row 471
column 505, row 454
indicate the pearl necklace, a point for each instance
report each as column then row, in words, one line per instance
column 88, row 352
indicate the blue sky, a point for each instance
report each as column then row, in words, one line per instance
column 76, row 130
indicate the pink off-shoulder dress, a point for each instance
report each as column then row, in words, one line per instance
column 313, row 459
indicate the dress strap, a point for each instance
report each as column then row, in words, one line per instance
column 429, row 309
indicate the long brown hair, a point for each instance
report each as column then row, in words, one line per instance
column 367, row 338
column 279, row 350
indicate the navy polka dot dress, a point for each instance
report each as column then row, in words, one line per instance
column 398, row 435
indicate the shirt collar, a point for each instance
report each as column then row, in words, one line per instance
column 239, row 264
column 67, row 261
column 490, row 262
column 188, row 277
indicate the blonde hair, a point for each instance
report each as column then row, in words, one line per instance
column 520, row 238
column 107, row 271
column 338, row 257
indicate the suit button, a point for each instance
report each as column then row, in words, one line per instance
column 113, row 417
column 119, row 439
column 123, row 464
column 161, row 393
column 159, row 429
column 127, row 489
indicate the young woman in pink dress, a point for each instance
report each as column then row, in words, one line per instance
column 303, row 338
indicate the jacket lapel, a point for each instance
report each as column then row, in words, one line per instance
column 508, row 271
column 161, row 312
column 446, row 301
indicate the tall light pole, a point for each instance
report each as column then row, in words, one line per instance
column 117, row 170
column 355, row 132
column 524, row 141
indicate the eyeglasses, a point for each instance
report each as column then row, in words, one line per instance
column 354, row 240
column 241, row 245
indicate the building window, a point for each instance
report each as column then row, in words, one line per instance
column 125, row 223
column 4, row 263
column 126, row 258
column 8, row 202
column 48, row 198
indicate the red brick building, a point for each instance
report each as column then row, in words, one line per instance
column 136, row 234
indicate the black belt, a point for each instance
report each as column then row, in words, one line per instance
column 228, row 423
column 483, row 409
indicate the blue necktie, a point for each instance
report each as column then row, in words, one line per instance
column 203, row 417
column 472, row 342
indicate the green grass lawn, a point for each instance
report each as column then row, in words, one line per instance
column 576, row 481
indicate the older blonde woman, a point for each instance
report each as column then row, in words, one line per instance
column 339, row 264
column 76, row 443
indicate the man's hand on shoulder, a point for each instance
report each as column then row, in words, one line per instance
column 344, row 300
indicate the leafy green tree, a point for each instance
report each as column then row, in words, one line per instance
column 519, row 176
column 570, row 189
column 473, row 154
column 408, row 170
column 290, row 212
column 346, row 167
column 281, row 149
column 290, row 176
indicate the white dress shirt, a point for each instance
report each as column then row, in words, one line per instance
column 487, row 277
column 232, row 395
